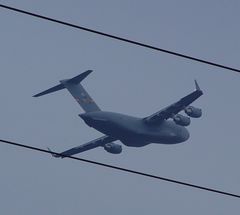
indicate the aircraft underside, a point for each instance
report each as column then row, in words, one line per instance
column 132, row 131
column 166, row 126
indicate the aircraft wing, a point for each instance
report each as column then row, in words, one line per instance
column 87, row 146
column 174, row 108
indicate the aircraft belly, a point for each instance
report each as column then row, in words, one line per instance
column 137, row 135
column 129, row 133
column 109, row 130
column 134, row 131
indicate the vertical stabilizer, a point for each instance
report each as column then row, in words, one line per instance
column 74, row 86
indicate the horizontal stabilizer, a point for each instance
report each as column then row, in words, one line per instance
column 76, row 80
column 50, row 90
column 79, row 78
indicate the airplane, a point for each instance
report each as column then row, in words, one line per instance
column 166, row 126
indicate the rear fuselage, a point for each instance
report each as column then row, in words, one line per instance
column 133, row 131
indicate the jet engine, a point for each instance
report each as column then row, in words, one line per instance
column 113, row 148
column 193, row 111
column 181, row 120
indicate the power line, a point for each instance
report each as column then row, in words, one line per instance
column 124, row 169
column 120, row 38
column 138, row 44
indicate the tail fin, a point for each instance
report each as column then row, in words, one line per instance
column 76, row 89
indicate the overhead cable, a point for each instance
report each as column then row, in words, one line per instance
column 120, row 38
column 125, row 169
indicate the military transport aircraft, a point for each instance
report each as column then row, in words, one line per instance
column 166, row 126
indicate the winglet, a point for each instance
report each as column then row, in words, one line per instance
column 197, row 86
column 53, row 154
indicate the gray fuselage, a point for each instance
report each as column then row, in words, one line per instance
column 133, row 131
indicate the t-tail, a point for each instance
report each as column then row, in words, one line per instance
column 74, row 86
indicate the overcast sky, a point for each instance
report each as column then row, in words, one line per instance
column 36, row 54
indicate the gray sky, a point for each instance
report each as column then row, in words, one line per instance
column 35, row 54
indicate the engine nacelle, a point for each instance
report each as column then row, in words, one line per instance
column 181, row 120
column 193, row 111
column 113, row 148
